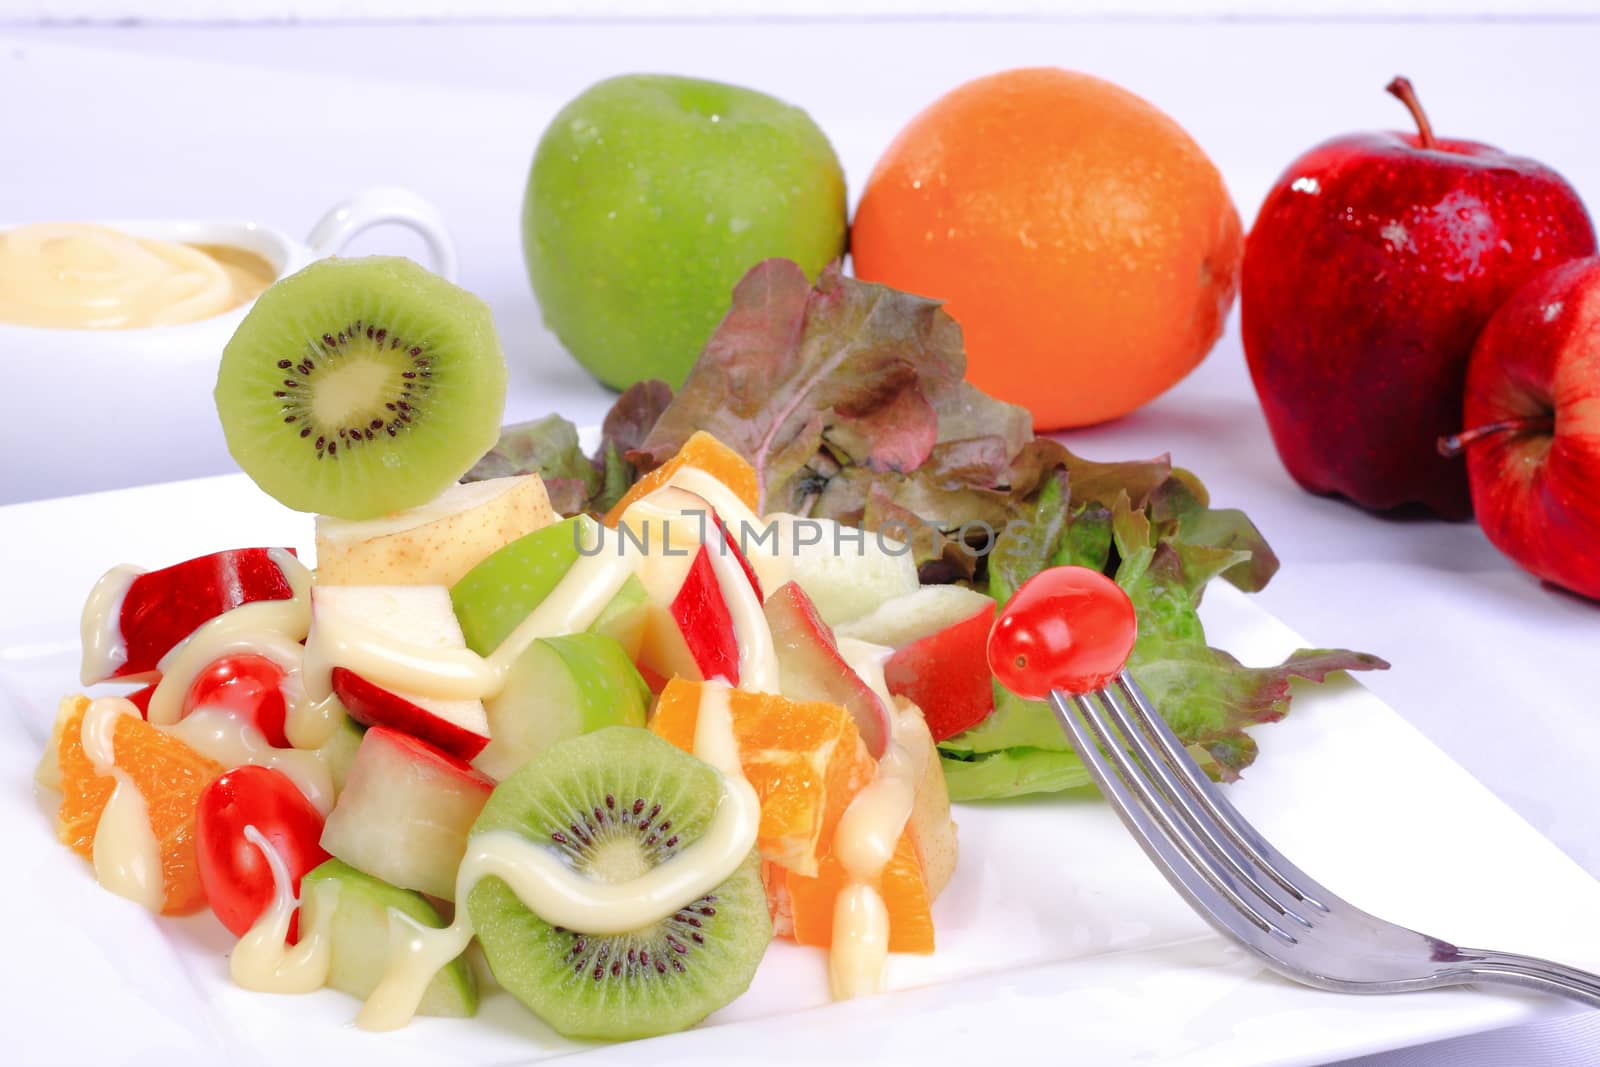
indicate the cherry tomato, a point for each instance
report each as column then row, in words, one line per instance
column 248, row 684
column 236, row 877
column 1067, row 628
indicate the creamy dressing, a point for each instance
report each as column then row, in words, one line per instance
column 758, row 659
column 864, row 842
column 459, row 673
column 266, row 627
column 262, row 960
column 127, row 856
column 232, row 740
column 101, row 624
column 85, row 276
column 563, row 897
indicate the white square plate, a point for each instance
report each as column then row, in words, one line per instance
column 1058, row 942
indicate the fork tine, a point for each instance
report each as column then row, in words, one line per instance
column 1164, row 767
column 1209, row 798
column 1182, row 861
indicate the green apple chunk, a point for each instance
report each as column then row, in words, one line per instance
column 650, row 196
column 359, row 937
column 558, row 688
column 494, row 597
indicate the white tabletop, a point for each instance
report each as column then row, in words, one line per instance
column 276, row 123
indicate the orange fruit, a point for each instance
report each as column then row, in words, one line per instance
column 902, row 886
column 704, row 451
column 804, row 760
column 1084, row 242
column 168, row 773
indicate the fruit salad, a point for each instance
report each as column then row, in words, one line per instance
column 618, row 722
column 615, row 751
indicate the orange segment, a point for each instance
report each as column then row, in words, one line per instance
column 902, row 886
column 168, row 773
column 706, row 453
column 804, row 760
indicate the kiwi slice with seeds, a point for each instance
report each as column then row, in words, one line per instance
column 360, row 387
column 615, row 803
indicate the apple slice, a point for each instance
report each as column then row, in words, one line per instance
column 810, row 667
column 434, row 544
column 846, row 572
column 560, row 687
column 940, row 635
column 158, row 609
column 414, row 615
column 405, row 811
column 495, row 596
column 361, row 942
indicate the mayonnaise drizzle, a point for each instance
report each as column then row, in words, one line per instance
column 233, row 741
column 758, row 659
column 127, row 856
column 561, row 896
column 867, row 835
column 271, row 628
column 101, row 625
column 459, row 673
column 262, row 960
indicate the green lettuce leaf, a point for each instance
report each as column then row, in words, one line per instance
column 549, row 448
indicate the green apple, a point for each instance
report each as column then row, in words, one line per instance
column 494, row 597
column 558, row 688
column 650, row 196
column 360, row 942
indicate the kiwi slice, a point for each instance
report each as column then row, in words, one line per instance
column 360, row 387
column 614, row 803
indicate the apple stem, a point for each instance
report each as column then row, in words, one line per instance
column 1401, row 89
column 1455, row 444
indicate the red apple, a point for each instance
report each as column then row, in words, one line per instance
column 940, row 635
column 415, row 614
column 1532, row 414
column 810, row 667
column 450, row 725
column 161, row 608
column 1374, row 263
column 405, row 812
column 702, row 616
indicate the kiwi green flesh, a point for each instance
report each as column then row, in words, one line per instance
column 615, row 803
column 360, row 387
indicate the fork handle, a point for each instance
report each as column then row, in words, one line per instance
column 1509, row 968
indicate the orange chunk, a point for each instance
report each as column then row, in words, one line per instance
column 902, row 886
column 706, row 453
column 168, row 773
column 804, row 760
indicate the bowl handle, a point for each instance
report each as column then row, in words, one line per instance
column 378, row 207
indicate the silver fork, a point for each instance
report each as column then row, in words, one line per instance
column 1246, row 888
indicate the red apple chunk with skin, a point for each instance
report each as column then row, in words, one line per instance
column 1373, row 265
column 405, row 812
column 940, row 634
column 811, row 669
column 419, row 615
column 1532, row 418
column 163, row 607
